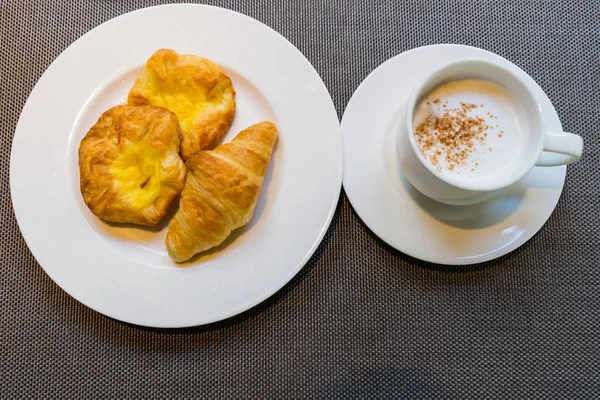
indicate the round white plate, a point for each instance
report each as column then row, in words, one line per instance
column 400, row 215
column 124, row 271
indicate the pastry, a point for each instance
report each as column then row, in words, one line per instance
column 195, row 89
column 129, row 164
column 221, row 191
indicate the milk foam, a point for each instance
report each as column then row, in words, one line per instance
column 505, row 135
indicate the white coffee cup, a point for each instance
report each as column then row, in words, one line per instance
column 542, row 148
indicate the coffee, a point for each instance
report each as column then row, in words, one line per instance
column 470, row 129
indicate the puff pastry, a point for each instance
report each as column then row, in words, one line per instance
column 195, row 89
column 221, row 191
column 129, row 164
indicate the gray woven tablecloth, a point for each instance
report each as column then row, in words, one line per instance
column 361, row 319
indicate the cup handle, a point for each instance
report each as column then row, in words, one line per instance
column 561, row 148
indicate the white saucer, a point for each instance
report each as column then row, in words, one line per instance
column 403, row 217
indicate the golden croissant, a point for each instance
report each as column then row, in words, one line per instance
column 195, row 89
column 221, row 191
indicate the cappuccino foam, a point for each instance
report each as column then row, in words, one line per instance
column 470, row 130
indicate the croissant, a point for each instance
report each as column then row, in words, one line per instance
column 221, row 191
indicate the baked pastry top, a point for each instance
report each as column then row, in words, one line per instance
column 195, row 89
column 221, row 191
column 129, row 164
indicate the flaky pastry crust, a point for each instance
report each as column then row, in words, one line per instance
column 221, row 191
column 129, row 164
column 195, row 89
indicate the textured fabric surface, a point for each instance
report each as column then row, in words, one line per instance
column 361, row 319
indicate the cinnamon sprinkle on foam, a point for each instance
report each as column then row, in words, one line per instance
column 454, row 130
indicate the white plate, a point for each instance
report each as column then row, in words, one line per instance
column 124, row 272
column 399, row 214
